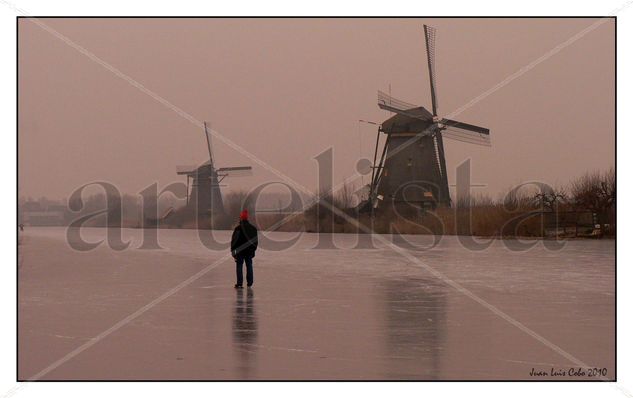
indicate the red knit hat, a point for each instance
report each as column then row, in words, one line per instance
column 244, row 215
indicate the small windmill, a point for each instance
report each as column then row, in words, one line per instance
column 412, row 166
column 206, row 196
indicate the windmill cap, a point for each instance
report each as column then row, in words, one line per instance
column 244, row 215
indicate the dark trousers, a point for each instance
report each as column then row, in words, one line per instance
column 239, row 261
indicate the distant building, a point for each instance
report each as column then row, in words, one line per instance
column 37, row 214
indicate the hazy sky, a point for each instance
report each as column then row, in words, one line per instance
column 287, row 89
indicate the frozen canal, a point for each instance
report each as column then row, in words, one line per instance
column 313, row 313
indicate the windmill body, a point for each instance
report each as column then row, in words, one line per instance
column 411, row 172
column 411, row 168
column 205, row 195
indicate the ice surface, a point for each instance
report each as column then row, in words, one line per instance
column 313, row 313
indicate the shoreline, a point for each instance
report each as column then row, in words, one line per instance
column 496, row 237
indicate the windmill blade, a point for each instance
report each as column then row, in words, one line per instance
column 469, row 137
column 239, row 171
column 429, row 38
column 391, row 104
column 387, row 100
column 455, row 125
column 188, row 169
column 206, row 134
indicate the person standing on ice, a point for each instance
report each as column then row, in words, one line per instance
column 243, row 247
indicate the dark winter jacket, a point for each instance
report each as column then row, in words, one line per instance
column 244, row 240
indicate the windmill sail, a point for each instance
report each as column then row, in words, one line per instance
column 240, row 171
column 186, row 169
column 389, row 103
column 455, row 125
column 429, row 38
column 206, row 134
column 465, row 132
column 467, row 137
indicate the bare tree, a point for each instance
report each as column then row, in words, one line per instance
column 345, row 197
column 595, row 191
column 550, row 200
column 234, row 203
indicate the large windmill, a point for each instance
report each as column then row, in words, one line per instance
column 412, row 169
column 206, row 197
